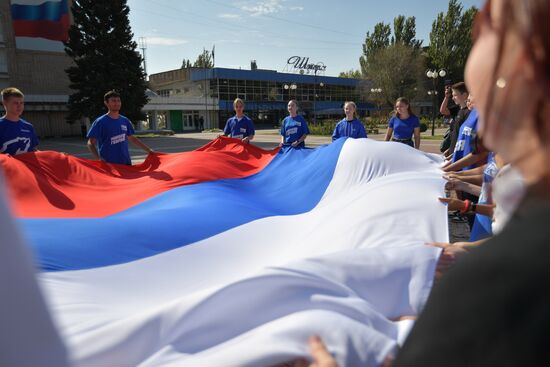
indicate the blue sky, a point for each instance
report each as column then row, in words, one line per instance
column 270, row 31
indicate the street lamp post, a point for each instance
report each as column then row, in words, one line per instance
column 315, row 97
column 433, row 75
column 377, row 91
column 290, row 87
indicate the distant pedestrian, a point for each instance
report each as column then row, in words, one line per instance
column 458, row 111
column 239, row 126
column 404, row 125
column 350, row 126
column 111, row 133
column 294, row 129
column 16, row 135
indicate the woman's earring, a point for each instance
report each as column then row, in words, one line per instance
column 501, row 83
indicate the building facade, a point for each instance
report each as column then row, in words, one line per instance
column 191, row 98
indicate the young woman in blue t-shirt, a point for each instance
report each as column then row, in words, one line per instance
column 294, row 129
column 350, row 125
column 404, row 125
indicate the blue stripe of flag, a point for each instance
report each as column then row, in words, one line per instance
column 293, row 183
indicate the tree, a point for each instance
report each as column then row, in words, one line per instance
column 351, row 73
column 396, row 70
column 204, row 60
column 393, row 63
column 105, row 58
column 185, row 63
column 451, row 39
column 404, row 32
column 379, row 39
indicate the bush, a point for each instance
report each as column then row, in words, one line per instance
column 423, row 126
column 324, row 127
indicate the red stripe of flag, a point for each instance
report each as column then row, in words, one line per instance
column 53, row 185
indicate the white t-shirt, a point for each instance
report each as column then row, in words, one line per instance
column 508, row 190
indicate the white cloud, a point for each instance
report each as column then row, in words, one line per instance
column 264, row 7
column 297, row 8
column 229, row 16
column 165, row 41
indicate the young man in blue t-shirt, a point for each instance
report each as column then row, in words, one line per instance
column 239, row 126
column 16, row 135
column 111, row 133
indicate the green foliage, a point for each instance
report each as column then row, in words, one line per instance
column 451, row 39
column 204, row 60
column 105, row 58
column 185, row 63
column 404, row 33
column 404, row 30
column 398, row 71
column 351, row 73
column 325, row 127
column 428, row 122
column 395, row 63
column 423, row 126
column 378, row 40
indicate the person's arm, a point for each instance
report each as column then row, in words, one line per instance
column 459, row 185
column 250, row 131
column 466, row 161
column 473, row 179
column 417, row 137
column 335, row 133
column 389, row 133
column 93, row 149
column 362, row 131
column 140, row 144
column 227, row 129
column 469, row 172
column 464, row 207
column 299, row 141
column 451, row 253
column 444, row 108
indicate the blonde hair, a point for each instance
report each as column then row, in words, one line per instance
column 354, row 107
column 237, row 100
column 11, row 92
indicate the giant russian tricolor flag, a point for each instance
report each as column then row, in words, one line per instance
column 232, row 255
column 40, row 25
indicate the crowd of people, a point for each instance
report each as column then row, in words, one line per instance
column 491, row 305
column 110, row 133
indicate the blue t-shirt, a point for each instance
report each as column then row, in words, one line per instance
column 482, row 227
column 112, row 138
column 353, row 129
column 293, row 128
column 17, row 137
column 403, row 129
column 236, row 128
column 466, row 137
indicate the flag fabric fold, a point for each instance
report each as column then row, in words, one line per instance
column 239, row 255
